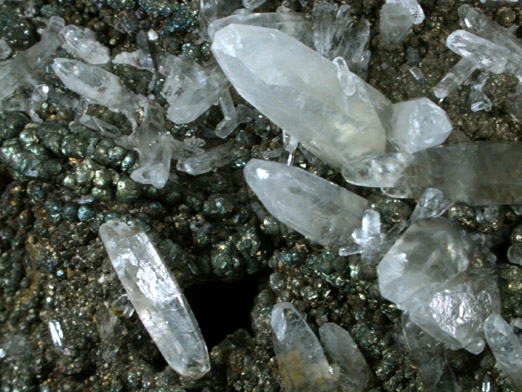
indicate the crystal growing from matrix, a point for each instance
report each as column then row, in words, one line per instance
column 302, row 362
column 477, row 173
column 157, row 298
column 95, row 84
column 82, row 43
column 316, row 208
column 453, row 79
column 506, row 347
column 397, row 18
column 417, row 124
column 266, row 68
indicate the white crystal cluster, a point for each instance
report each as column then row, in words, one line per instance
column 397, row 19
column 307, row 364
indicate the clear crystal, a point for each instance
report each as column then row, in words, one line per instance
column 141, row 58
column 157, row 298
column 316, row 208
column 82, row 43
column 417, row 124
column 453, row 79
column 266, row 67
column 206, row 161
column 514, row 254
column 478, row 100
column 431, row 204
column 397, row 18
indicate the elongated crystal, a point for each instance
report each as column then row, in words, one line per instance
column 298, row 89
column 302, row 362
column 453, row 79
column 506, row 347
column 82, row 43
column 316, row 208
column 205, row 161
column 478, row 173
column 95, row 84
column 157, row 298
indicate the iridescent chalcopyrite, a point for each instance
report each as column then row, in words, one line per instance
column 157, row 298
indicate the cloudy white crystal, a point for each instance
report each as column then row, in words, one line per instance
column 299, row 90
column 157, row 298
column 316, row 208
column 397, row 18
column 82, row 43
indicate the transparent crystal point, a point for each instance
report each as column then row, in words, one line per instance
column 302, row 362
column 514, row 254
column 453, row 79
column 343, row 353
column 316, row 208
column 95, row 84
column 478, row 173
column 431, row 204
column 82, row 43
column 397, row 18
column 157, row 298
column 298, row 89
column 506, row 347
column 205, row 161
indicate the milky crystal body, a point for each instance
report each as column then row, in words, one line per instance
column 428, row 356
column 298, row 89
column 157, row 298
column 417, row 124
column 397, row 18
column 94, row 83
column 354, row 372
column 506, row 347
column 477, row 173
column 302, row 362
column 82, row 43
column 316, row 208
column 486, row 54
column 430, row 251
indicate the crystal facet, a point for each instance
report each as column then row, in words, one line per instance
column 82, row 43
column 157, row 298
column 397, row 18
column 316, row 208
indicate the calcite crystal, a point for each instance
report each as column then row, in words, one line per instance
column 506, row 347
column 417, row 124
column 266, row 67
column 426, row 273
column 478, row 173
column 318, row 209
column 157, row 298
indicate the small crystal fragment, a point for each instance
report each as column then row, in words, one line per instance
column 55, row 329
column 82, row 43
column 417, row 124
column 157, row 298
column 302, row 362
column 316, row 208
column 428, row 355
column 5, row 50
column 506, row 347
column 453, row 79
column 417, row 73
column 206, row 161
column 354, row 372
column 141, row 58
column 431, row 204
column 299, row 90
column 397, row 18
column 324, row 16
column 253, row 4
column 95, row 84
column 478, row 100
column 477, row 173
column 514, row 254
column 486, row 54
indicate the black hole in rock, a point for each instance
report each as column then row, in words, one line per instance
column 222, row 308
column 5, row 180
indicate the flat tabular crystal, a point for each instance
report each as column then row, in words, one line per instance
column 157, row 298
column 477, row 173
column 298, row 89
column 316, row 208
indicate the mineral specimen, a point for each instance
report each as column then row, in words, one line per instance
column 82, row 43
column 265, row 67
column 506, row 346
column 514, row 254
column 205, row 161
column 5, row 50
column 316, row 208
column 477, row 173
column 453, row 79
column 157, row 298
column 252, row 4
column 426, row 273
column 141, row 58
column 416, row 125
column 397, row 18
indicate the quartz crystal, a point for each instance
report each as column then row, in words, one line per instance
column 426, row 273
column 206, row 161
column 354, row 372
column 324, row 16
column 189, row 88
column 453, row 79
column 302, row 362
column 298, row 89
column 210, row 10
column 82, row 43
column 316, row 208
column 141, row 58
column 486, row 54
column 95, row 84
column 292, row 23
column 477, row 99
column 431, row 204
column 506, row 347
column 5, row 50
column 397, row 18
column 157, row 298
column 417, row 124
column 514, row 254
column 477, row 173
column 252, row 4
column 428, row 356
